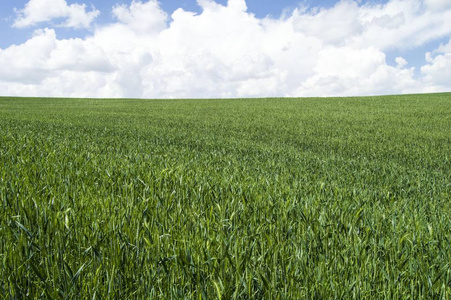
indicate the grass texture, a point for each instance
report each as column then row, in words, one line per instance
column 312, row 198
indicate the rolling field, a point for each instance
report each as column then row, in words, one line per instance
column 248, row 198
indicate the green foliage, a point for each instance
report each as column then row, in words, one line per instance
column 246, row 199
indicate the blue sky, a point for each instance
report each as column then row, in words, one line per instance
column 224, row 48
column 261, row 8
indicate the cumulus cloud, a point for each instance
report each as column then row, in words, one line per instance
column 437, row 72
column 142, row 17
column 37, row 11
column 225, row 51
column 438, row 4
column 400, row 62
column 333, row 26
column 347, row 71
column 45, row 65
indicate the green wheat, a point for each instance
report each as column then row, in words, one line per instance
column 227, row 199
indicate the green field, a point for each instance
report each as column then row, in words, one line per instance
column 246, row 198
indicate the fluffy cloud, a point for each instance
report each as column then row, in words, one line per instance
column 402, row 24
column 347, row 71
column 227, row 52
column 437, row 73
column 37, row 11
column 146, row 18
column 438, row 4
column 45, row 65
column 333, row 26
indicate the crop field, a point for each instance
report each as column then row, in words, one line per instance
column 226, row 199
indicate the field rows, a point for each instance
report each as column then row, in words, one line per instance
column 245, row 198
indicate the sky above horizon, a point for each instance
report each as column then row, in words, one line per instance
column 224, row 48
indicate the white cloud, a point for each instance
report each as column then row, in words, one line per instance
column 227, row 52
column 397, row 24
column 332, row 26
column 438, row 4
column 143, row 17
column 400, row 62
column 344, row 71
column 444, row 48
column 239, row 5
column 37, row 11
column 437, row 73
column 45, row 65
